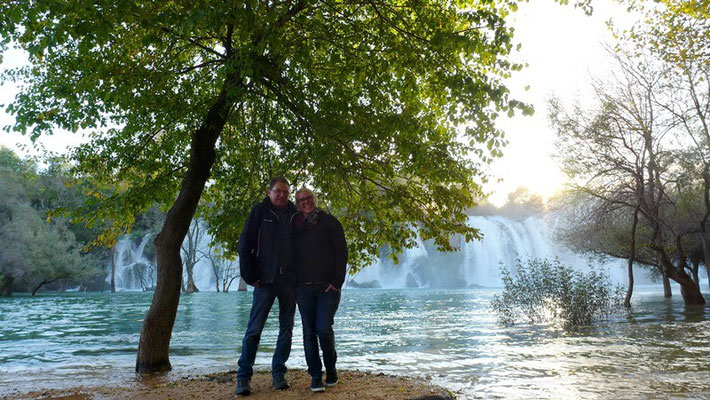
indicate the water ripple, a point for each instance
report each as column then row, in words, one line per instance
column 448, row 336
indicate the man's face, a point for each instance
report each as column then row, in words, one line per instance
column 279, row 195
column 306, row 201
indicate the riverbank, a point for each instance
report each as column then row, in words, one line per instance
column 352, row 384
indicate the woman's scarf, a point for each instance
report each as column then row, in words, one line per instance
column 311, row 219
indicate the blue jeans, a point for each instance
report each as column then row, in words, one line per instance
column 317, row 308
column 264, row 297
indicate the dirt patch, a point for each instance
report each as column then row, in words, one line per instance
column 352, row 385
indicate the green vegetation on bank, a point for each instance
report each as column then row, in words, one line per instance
column 40, row 250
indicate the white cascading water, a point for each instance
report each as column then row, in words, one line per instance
column 505, row 240
column 129, row 260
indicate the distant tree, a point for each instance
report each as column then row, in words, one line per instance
column 523, row 202
column 677, row 33
column 16, row 234
column 224, row 268
column 37, row 250
column 191, row 254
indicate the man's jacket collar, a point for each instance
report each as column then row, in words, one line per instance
column 290, row 207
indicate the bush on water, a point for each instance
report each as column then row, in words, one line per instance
column 545, row 291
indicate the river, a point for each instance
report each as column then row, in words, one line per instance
column 660, row 350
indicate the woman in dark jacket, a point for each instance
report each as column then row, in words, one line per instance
column 321, row 256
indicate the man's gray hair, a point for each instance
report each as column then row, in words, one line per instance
column 278, row 179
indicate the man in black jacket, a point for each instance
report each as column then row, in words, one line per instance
column 321, row 257
column 265, row 262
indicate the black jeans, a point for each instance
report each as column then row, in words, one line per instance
column 317, row 308
column 264, row 297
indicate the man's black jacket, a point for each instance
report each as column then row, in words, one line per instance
column 321, row 251
column 260, row 242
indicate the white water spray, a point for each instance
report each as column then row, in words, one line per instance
column 505, row 241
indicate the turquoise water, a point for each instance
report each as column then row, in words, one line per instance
column 662, row 350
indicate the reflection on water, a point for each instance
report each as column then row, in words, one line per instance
column 448, row 336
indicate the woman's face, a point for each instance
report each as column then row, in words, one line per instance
column 306, row 201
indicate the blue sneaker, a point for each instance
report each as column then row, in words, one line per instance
column 280, row 382
column 317, row 384
column 331, row 378
column 243, row 387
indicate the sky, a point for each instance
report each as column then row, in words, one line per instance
column 563, row 48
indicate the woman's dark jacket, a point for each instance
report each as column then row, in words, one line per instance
column 320, row 251
column 266, row 242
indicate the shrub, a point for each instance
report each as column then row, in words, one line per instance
column 544, row 291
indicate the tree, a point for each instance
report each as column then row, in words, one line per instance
column 224, row 269
column 37, row 250
column 621, row 155
column 678, row 33
column 191, row 255
column 377, row 104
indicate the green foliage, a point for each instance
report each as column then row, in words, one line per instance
column 676, row 31
column 544, row 291
column 38, row 249
column 386, row 108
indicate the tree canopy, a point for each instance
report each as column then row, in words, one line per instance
column 387, row 108
column 379, row 105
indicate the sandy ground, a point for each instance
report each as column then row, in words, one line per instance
column 352, row 385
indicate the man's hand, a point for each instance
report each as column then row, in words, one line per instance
column 331, row 287
column 256, row 284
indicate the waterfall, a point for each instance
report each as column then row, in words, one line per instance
column 134, row 271
column 478, row 263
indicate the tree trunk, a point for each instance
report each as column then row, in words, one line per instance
column 667, row 292
column 689, row 289
column 154, row 344
column 190, row 256
column 632, row 256
column 6, row 288
column 694, row 270
column 113, row 269
column 630, row 289
column 190, row 287
column 666, row 281
column 34, row 291
column 691, row 292
column 242, row 285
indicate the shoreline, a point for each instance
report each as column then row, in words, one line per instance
column 352, row 384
